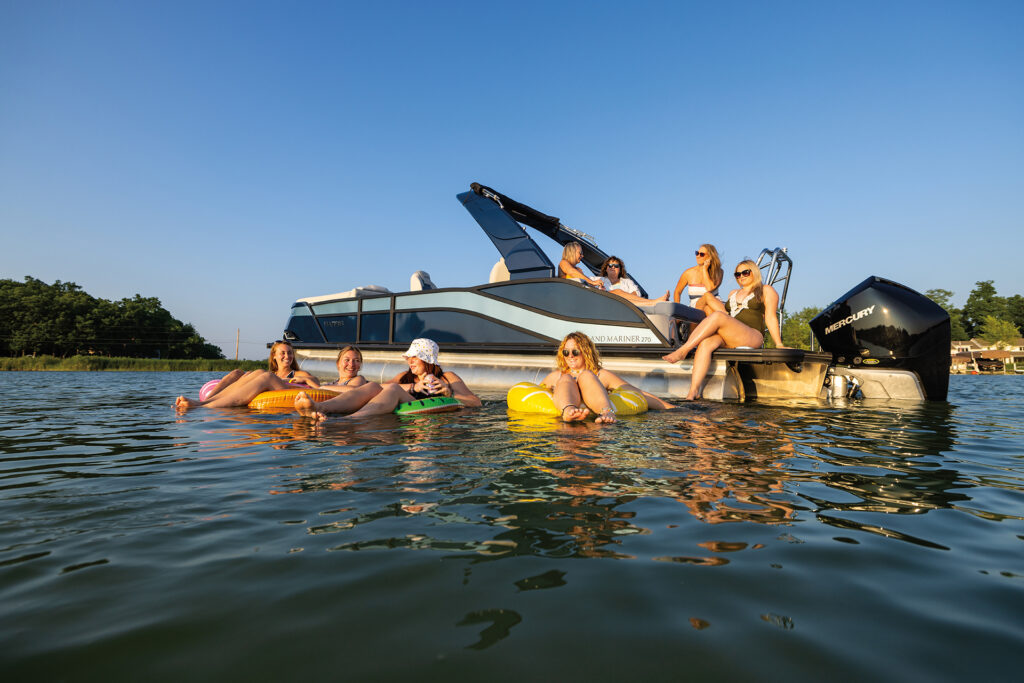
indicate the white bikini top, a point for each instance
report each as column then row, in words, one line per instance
column 697, row 291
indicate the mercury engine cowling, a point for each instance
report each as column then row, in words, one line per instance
column 881, row 323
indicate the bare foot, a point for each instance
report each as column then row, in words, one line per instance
column 182, row 403
column 306, row 407
column 606, row 417
column 663, row 298
column 572, row 413
column 676, row 355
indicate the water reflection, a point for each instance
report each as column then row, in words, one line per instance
column 543, row 487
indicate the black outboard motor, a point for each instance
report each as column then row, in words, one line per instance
column 880, row 323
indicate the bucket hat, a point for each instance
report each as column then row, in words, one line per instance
column 424, row 349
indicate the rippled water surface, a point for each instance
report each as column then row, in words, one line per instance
column 787, row 541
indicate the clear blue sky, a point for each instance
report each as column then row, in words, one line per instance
column 230, row 157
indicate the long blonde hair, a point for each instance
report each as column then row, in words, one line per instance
column 591, row 358
column 755, row 272
column 715, row 269
column 572, row 250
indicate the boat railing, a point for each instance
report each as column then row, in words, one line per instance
column 776, row 267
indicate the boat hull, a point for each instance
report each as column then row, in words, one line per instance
column 756, row 376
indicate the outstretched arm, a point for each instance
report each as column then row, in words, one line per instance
column 306, row 378
column 456, row 388
column 572, row 271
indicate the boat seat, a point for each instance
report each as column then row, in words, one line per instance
column 420, row 280
column 355, row 293
column 674, row 310
column 665, row 315
column 499, row 272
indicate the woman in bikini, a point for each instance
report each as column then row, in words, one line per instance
column 350, row 361
column 702, row 280
column 424, row 379
column 752, row 308
column 237, row 388
column 580, row 385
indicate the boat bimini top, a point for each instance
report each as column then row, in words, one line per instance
column 501, row 216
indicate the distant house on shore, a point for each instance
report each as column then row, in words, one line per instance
column 977, row 355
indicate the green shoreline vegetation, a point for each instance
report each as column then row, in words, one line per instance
column 119, row 364
column 39, row 319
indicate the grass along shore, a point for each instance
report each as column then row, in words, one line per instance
column 79, row 363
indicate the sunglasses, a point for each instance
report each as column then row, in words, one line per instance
column 614, row 265
column 571, row 352
column 742, row 273
column 700, row 253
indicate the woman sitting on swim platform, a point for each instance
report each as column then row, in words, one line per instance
column 752, row 308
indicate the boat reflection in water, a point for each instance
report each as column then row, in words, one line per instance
column 554, row 489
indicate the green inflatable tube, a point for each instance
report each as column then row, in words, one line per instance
column 434, row 404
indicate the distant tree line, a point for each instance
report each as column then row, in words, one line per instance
column 62, row 320
column 995, row 319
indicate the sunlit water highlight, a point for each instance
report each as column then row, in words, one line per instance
column 784, row 541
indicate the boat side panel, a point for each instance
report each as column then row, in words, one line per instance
column 485, row 372
column 566, row 299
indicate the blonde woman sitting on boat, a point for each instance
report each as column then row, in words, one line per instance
column 237, row 388
column 615, row 280
column 752, row 308
column 350, row 361
column 580, row 385
column 572, row 254
column 424, row 379
column 702, row 280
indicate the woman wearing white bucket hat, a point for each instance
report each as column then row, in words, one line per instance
column 424, row 379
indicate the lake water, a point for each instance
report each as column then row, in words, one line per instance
column 790, row 541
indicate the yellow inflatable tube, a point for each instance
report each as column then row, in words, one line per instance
column 285, row 398
column 528, row 397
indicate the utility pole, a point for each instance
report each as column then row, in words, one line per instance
column 238, row 331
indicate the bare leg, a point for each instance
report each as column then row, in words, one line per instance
column 704, row 329
column 709, row 303
column 701, row 363
column 596, row 396
column 384, row 402
column 238, row 388
column 639, row 300
column 733, row 332
column 653, row 402
column 568, row 399
column 246, row 389
column 348, row 402
column 227, row 380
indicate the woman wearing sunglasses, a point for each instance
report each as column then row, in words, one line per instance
column 702, row 280
column 580, row 385
column 752, row 309
column 615, row 280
